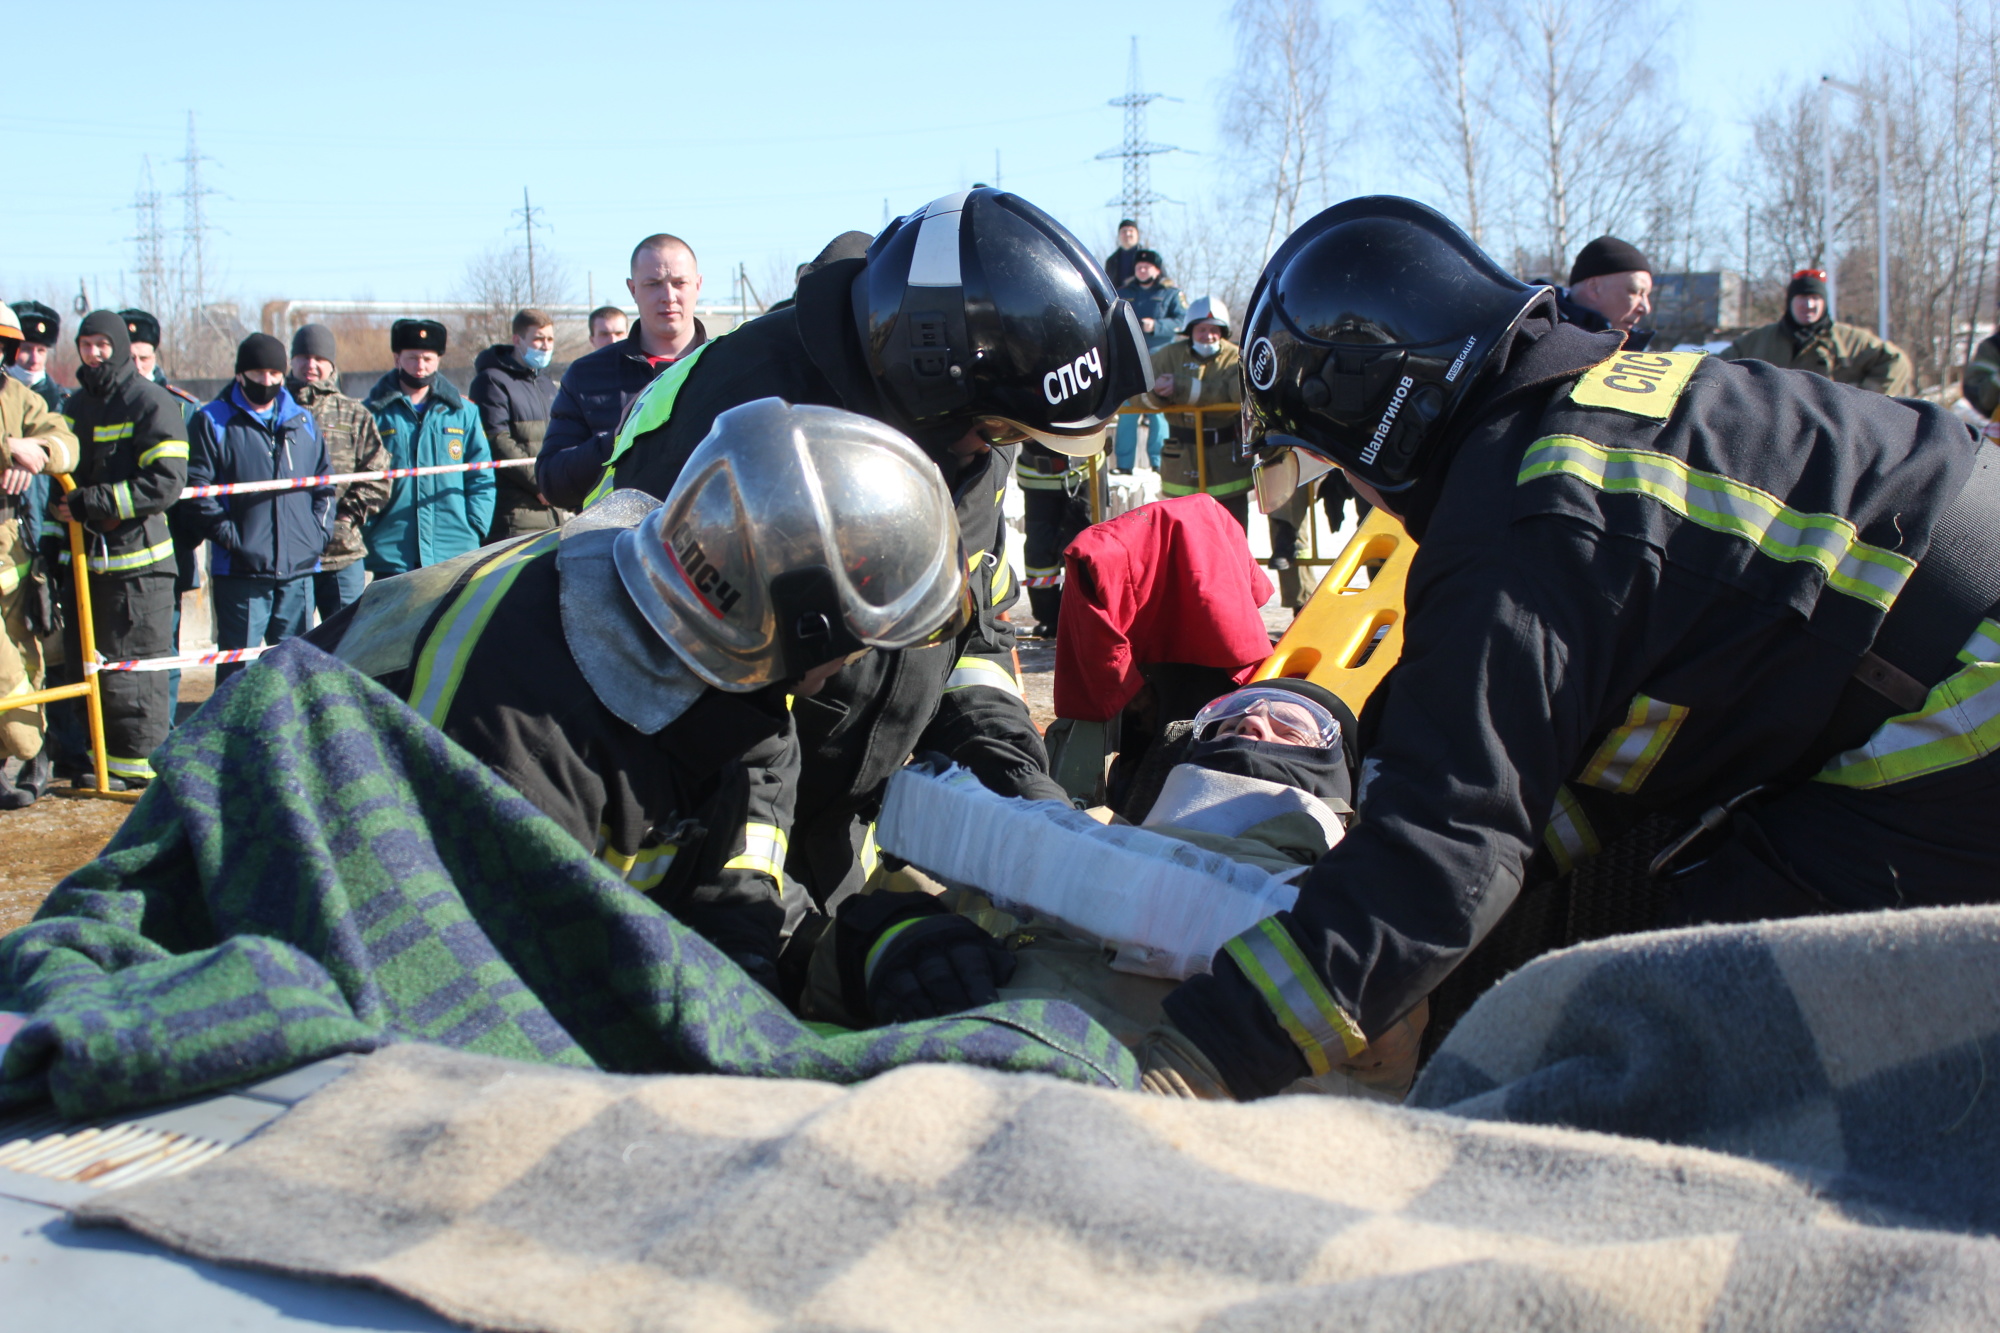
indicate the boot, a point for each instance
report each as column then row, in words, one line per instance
column 24, row 783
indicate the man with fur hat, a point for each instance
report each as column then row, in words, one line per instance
column 135, row 450
column 29, row 361
column 426, row 422
column 37, row 443
column 1807, row 338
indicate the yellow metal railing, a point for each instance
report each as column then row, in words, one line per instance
column 1310, row 526
column 88, row 690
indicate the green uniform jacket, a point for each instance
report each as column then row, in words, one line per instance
column 1200, row 382
column 1843, row 353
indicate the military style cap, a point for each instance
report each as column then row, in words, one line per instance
column 39, row 323
column 417, row 335
column 141, row 326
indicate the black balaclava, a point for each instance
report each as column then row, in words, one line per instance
column 1319, row 769
column 98, row 381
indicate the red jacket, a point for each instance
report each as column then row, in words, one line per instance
column 1172, row 581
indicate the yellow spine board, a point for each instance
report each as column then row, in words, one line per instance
column 1348, row 636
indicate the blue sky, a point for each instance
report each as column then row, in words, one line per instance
column 369, row 151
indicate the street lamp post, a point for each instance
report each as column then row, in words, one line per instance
column 1828, row 82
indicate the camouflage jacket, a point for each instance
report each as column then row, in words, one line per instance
column 353, row 444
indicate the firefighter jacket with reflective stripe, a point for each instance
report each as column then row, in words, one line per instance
column 1040, row 469
column 482, row 655
column 1652, row 580
column 135, row 456
column 871, row 717
column 1214, row 381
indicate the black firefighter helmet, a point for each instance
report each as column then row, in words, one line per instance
column 1365, row 330
column 982, row 307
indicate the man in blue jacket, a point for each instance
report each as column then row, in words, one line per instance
column 264, row 547
column 426, row 422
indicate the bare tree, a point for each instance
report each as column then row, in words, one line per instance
column 1586, row 112
column 497, row 280
column 1277, row 113
column 1452, row 46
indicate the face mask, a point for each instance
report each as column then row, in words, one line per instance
column 536, row 359
column 412, row 383
column 1206, row 349
column 259, row 395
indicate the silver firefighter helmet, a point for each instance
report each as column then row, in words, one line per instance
column 795, row 536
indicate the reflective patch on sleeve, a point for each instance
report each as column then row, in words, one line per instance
column 968, row 672
column 1645, row 384
column 1959, row 722
column 881, row 946
column 164, row 449
column 1275, row 965
column 1734, row 508
column 1629, row 753
column 1569, row 836
column 643, row 869
column 441, row 664
column 121, row 499
column 764, row 849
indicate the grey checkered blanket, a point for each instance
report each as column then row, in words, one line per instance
column 1822, row 1084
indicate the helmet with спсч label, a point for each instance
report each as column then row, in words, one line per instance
column 982, row 311
column 795, row 536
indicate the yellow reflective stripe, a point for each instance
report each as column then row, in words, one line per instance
column 871, row 855
column 1716, row 502
column 1646, row 384
column 11, row 576
column 106, row 434
column 121, row 499
column 1628, row 754
column 441, row 664
column 164, row 449
column 764, row 850
column 970, row 671
column 653, row 408
column 1173, row 488
column 118, row 564
column 119, row 766
column 643, row 869
column 1959, row 722
column 882, row 943
column 1569, row 836
column 1271, row 958
column 1003, row 582
column 1043, row 576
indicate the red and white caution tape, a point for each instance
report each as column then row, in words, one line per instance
column 335, row 478
column 183, row 660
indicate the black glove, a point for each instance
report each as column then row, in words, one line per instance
column 936, row 965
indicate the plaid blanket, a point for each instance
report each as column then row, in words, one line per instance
column 319, row 870
column 1861, row 1053
column 521, row 1197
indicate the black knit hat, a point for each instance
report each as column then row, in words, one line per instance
column 417, row 335
column 260, row 351
column 1807, row 282
column 315, row 340
column 1608, row 254
column 140, row 326
column 42, row 324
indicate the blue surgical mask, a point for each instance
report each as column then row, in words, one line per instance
column 1206, row 349
column 23, row 374
column 536, row 359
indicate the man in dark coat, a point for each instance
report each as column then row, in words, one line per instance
column 666, row 282
column 513, row 392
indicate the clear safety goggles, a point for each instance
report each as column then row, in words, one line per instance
column 1292, row 718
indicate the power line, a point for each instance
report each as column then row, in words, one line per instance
column 150, row 242
column 1136, row 152
column 529, row 216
